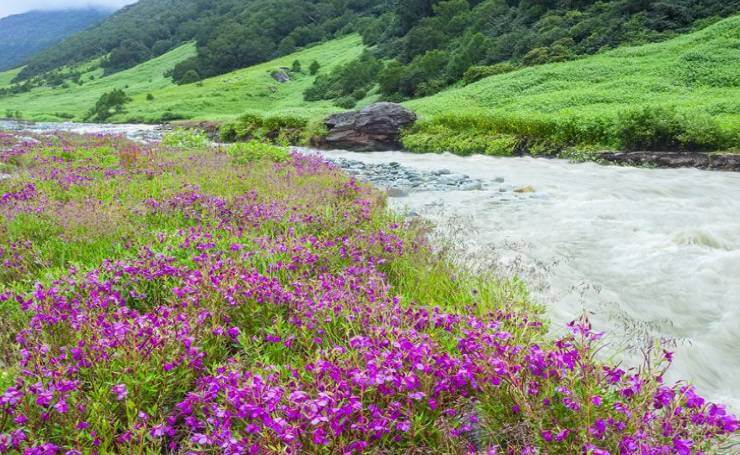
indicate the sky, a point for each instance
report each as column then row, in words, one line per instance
column 8, row 7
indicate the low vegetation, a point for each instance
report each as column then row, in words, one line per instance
column 658, row 129
column 179, row 299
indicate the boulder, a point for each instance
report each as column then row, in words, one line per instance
column 281, row 76
column 374, row 128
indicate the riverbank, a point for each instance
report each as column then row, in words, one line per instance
column 226, row 300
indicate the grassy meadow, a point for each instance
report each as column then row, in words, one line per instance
column 248, row 90
column 176, row 298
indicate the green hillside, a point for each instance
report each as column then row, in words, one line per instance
column 697, row 71
column 73, row 101
column 695, row 76
column 250, row 89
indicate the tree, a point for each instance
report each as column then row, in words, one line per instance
column 314, row 68
column 108, row 104
column 296, row 68
column 190, row 77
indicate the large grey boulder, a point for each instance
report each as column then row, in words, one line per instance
column 374, row 128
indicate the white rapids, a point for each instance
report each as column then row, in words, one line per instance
column 650, row 253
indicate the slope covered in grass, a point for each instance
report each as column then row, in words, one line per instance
column 697, row 71
column 73, row 101
column 251, row 89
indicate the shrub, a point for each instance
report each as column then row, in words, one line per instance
column 359, row 74
column 149, row 97
column 247, row 152
column 476, row 73
column 314, row 68
column 663, row 128
column 108, row 104
column 345, row 102
column 296, row 67
column 276, row 129
column 185, row 138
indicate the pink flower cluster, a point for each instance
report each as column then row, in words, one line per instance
column 273, row 324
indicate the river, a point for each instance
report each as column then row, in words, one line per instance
column 649, row 253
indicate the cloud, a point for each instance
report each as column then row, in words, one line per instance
column 8, row 7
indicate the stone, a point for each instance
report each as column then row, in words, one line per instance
column 395, row 191
column 499, row 180
column 712, row 161
column 471, row 186
column 4, row 177
column 524, row 189
column 281, row 76
column 374, row 128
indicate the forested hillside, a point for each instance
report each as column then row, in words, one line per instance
column 417, row 47
column 427, row 45
column 230, row 33
column 23, row 35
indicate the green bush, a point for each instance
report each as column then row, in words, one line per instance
column 345, row 102
column 476, row 73
column 108, row 104
column 442, row 138
column 248, row 152
column 183, row 138
column 285, row 130
column 663, row 128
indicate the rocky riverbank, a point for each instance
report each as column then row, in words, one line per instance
column 399, row 180
column 708, row 161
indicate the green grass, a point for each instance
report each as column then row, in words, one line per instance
column 697, row 71
column 7, row 76
column 46, row 103
column 223, row 97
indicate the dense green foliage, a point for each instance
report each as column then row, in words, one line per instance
column 23, row 35
column 432, row 44
column 644, row 128
column 108, row 104
column 426, row 44
column 276, row 129
column 348, row 83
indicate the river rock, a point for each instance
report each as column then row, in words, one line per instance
column 374, row 128
column 712, row 161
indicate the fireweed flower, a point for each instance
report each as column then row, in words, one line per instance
column 120, row 391
column 265, row 318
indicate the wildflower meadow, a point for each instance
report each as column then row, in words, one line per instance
column 184, row 300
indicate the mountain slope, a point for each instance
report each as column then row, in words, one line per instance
column 23, row 35
column 230, row 33
column 216, row 98
column 696, row 73
column 699, row 71
column 72, row 101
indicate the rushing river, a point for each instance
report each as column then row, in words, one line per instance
column 650, row 253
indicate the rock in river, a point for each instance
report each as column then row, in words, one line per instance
column 374, row 128
column 524, row 189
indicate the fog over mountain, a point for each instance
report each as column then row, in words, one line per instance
column 25, row 34
column 15, row 7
